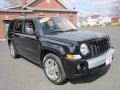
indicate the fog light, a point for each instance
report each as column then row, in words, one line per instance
column 81, row 67
column 78, row 67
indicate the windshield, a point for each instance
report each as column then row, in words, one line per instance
column 56, row 24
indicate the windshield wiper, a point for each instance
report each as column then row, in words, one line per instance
column 71, row 30
column 61, row 31
column 54, row 31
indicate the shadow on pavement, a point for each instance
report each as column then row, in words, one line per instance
column 90, row 78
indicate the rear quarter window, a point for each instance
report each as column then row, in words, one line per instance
column 18, row 26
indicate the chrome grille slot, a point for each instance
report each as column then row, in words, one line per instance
column 98, row 47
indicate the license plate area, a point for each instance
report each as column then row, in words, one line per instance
column 108, row 60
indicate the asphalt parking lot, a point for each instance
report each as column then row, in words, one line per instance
column 21, row 74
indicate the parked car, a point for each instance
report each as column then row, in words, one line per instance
column 63, row 51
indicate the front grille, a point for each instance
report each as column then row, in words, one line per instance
column 98, row 47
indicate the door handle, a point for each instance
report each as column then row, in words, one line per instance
column 13, row 35
column 21, row 36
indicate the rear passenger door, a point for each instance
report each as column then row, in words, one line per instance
column 16, row 35
column 30, row 42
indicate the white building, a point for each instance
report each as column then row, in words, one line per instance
column 95, row 20
column 104, row 20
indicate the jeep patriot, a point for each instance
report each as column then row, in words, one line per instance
column 61, row 49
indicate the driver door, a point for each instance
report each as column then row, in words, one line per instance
column 30, row 41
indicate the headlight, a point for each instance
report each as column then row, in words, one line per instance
column 84, row 49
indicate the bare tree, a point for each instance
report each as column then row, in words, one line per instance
column 116, row 8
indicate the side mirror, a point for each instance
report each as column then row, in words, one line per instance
column 30, row 31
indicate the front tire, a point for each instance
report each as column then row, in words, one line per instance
column 53, row 69
column 13, row 51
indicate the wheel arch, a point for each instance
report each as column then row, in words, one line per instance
column 44, row 51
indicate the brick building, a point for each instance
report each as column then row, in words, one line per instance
column 34, row 8
column 115, row 21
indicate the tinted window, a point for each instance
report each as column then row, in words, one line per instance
column 48, row 26
column 18, row 26
column 29, row 24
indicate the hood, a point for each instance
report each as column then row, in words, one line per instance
column 74, row 36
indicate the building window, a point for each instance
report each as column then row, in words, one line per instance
column 70, row 18
column 48, row 1
column 41, row 14
column 57, row 14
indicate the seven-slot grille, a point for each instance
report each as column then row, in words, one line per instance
column 98, row 47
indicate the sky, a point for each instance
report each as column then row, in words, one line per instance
column 3, row 3
column 85, row 7
column 88, row 7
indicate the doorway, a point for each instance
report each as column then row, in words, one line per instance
column 6, row 26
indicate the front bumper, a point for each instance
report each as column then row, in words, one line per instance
column 92, row 63
column 84, row 67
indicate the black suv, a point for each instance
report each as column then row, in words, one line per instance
column 59, row 47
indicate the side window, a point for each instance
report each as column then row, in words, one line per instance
column 48, row 26
column 29, row 25
column 18, row 26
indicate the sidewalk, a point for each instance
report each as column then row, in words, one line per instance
column 1, row 40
